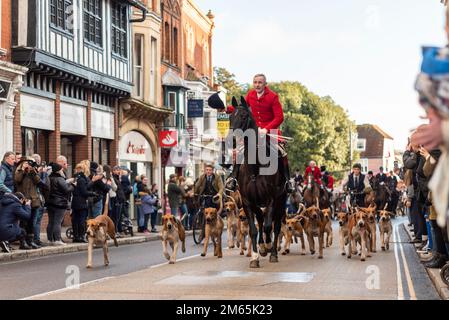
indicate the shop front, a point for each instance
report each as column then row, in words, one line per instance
column 102, row 124
column 136, row 154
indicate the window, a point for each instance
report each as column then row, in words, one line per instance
column 35, row 141
column 153, row 71
column 167, row 42
column 100, row 150
column 92, row 21
column 361, row 144
column 171, row 103
column 60, row 14
column 68, row 150
column 364, row 164
column 138, row 64
column 207, row 120
column 175, row 46
column 119, row 29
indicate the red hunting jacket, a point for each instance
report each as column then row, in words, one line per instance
column 316, row 174
column 267, row 110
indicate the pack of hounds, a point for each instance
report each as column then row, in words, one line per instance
column 358, row 230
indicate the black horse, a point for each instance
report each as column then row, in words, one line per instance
column 382, row 196
column 259, row 190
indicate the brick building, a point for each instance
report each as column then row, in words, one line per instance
column 187, row 74
column 79, row 59
column 10, row 79
column 376, row 148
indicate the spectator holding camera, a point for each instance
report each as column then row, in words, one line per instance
column 27, row 180
column 44, row 192
column 14, row 208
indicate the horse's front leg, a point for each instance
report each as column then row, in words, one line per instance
column 254, row 263
column 274, row 249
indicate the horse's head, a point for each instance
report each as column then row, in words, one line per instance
column 242, row 117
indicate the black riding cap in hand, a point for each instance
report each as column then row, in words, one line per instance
column 215, row 102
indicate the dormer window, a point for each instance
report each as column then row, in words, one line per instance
column 92, row 21
column 60, row 14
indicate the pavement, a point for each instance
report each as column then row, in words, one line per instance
column 141, row 272
column 434, row 275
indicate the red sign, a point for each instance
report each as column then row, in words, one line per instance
column 168, row 138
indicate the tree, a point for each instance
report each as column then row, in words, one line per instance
column 319, row 126
column 227, row 80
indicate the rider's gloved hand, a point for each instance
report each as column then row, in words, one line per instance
column 230, row 109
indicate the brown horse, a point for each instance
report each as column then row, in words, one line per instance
column 259, row 190
column 312, row 192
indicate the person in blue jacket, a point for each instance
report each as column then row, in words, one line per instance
column 13, row 207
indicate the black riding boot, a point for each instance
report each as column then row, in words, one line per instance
column 288, row 184
column 231, row 182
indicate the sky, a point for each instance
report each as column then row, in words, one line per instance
column 365, row 54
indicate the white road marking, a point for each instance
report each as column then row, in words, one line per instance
column 398, row 267
column 66, row 289
column 177, row 260
column 411, row 288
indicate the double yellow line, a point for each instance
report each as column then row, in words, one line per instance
column 398, row 247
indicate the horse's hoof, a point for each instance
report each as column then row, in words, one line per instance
column 241, row 253
column 167, row 256
column 287, row 250
column 254, row 264
column 89, row 266
column 320, row 257
column 274, row 259
column 374, row 251
column 231, row 247
column 312, row 252
column 303, row 253
column 203, row 254
column 220, row 256
column 362, row 259
column 383, row 248
column 343, row 253
column 284, row 253
column 263, row 253
column 349, row 256
column 171, row 262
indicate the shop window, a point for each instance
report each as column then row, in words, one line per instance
column 100, row 150
column 67, row 150
column 35, row 141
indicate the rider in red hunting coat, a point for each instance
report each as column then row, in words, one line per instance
column 268, row 114
column 315, row 172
